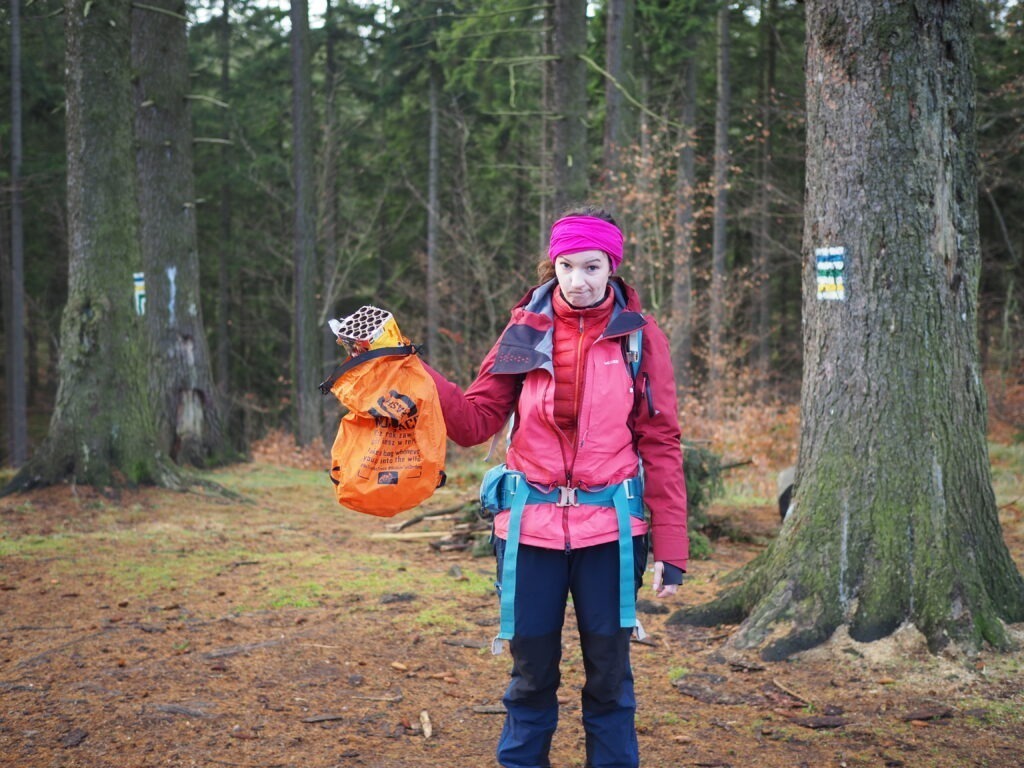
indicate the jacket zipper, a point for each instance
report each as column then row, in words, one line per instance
column 565, row 464
column 579, row 384
column 556, row 429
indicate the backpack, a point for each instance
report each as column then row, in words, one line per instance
column 389, row 453
column 632, row 350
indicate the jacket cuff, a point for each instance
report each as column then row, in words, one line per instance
column 671, row 574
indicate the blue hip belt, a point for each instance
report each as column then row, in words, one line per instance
column 503, row 488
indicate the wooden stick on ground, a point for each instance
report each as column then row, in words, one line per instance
column 426, row 516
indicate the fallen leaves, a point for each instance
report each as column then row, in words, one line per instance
column 783, row 698
column 279, row 447
column 327, row 691
column 711, row 689
column 704, row 688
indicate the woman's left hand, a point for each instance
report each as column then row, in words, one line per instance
column 660, row 588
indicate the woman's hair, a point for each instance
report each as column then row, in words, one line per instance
column 588, row 210
column 545, row 267
column 545, row 270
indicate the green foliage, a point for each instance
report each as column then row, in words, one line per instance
column 1007, row 471
column 308, row 595
column 30, row 546
column 703, row 470
column 280, row 553
column 441, row 621
column 43, row 188
column 675, row 674
column 373, row 120
column 1000, row 88
column 700, row 545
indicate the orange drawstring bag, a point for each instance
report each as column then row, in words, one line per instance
column 389, row 453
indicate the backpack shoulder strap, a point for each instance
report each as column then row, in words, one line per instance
column 633, row 347
column 634, row 351
column 365, row 357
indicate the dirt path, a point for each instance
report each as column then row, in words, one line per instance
column 161, row 629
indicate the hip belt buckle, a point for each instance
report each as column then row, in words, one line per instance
column 566, row 497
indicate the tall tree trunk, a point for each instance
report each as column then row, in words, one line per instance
column 894, row 519
column 433, row 214
column 225, row 252
column 686, row 183
column 644, row 256
column 306, row 346
column 330, row 351
column 762, row 231
column 717, row 308
column 181, row 380
column 569, row 84
column 102, row 431
column 619, row 28
column 17, row 406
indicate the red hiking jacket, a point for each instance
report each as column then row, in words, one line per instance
column 618, row 422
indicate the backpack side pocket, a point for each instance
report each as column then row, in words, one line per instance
column 492, row 488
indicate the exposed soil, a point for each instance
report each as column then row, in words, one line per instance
column 150, row 628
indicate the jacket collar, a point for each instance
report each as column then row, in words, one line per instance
column 528, row 340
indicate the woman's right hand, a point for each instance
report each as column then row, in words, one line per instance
column 661, row 589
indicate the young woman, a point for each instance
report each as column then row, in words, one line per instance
column 590, row 438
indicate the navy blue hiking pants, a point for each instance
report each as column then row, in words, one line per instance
column 545, row 579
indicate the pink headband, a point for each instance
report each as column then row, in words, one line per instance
column 575, row 234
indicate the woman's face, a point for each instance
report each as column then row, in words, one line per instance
column 583, row 277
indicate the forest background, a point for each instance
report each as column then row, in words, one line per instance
column 433, row 128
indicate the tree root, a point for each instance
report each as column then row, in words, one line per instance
column 727, row 609
column 44, row 470
column 773, row 615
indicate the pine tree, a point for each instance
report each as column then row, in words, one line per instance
column 894, row 518
column 103, row 430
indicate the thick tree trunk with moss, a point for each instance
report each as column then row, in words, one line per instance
column 894, row 518
column 102, row 431
column 181, row 380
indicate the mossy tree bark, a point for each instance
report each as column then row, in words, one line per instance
column 102, row 431
column 894, row 518
column 181, row 379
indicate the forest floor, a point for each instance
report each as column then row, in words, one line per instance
column 152, row 628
